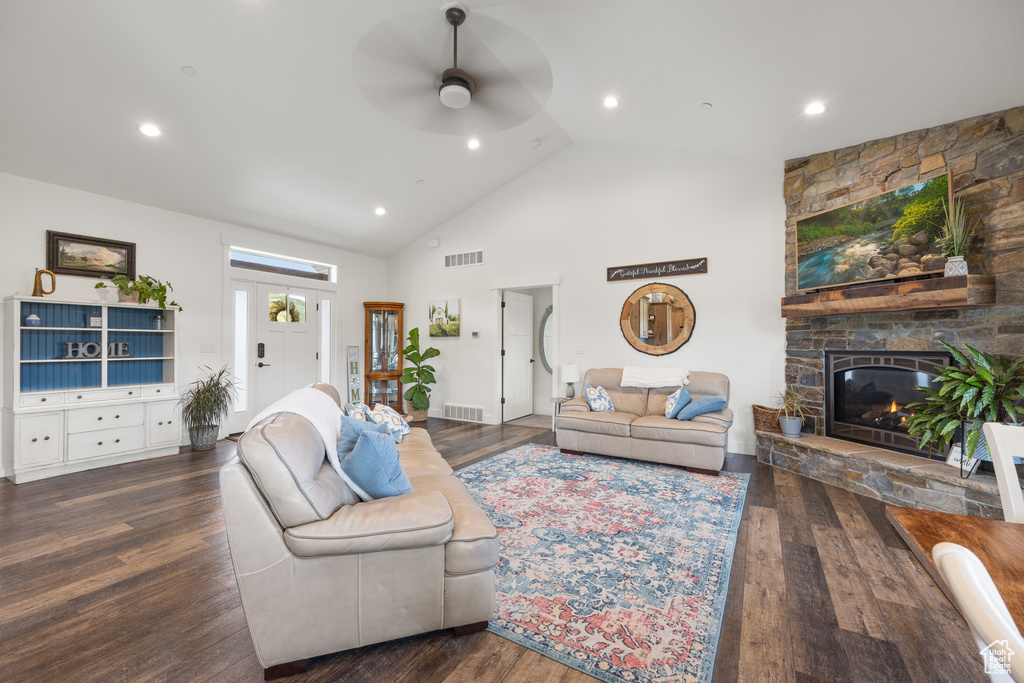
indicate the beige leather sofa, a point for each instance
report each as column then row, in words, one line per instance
column 319, row 571
column 638, row 427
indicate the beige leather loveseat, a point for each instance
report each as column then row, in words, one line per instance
column 638, row 428
column 319, row 571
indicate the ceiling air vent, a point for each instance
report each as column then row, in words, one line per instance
column 464, row 413
column 469, row 258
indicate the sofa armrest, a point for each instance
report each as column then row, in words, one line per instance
column 578, row 404
column 414, row 520
column 721, row 417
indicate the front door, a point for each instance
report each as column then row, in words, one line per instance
column 285, row 357
column 517, row 360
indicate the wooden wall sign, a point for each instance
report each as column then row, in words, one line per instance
column 663, row 269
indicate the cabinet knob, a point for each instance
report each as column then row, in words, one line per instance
column 157, row 391
column 99, row 443
column 99, row 418
column 117, row 417
column 79, row 396
column 168, row 422
column 117, row 440
column 130, row 393
column 46, row 438
column 34, row 439
column 159, row 423
column 42, row 400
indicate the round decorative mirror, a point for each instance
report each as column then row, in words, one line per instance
column 544, row 339
column 657, row 319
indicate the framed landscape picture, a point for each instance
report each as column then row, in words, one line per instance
column 69, row 254
column 444, row 318
column 885, row 237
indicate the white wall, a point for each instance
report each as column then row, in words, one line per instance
column 595, row 206
column 183, row 249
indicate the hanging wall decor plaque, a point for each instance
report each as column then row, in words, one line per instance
column 662, row 269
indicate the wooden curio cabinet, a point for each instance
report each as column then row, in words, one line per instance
column 383, row 360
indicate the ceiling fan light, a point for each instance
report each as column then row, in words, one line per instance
column 454, row 94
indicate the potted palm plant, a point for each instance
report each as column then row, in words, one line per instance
column 417, row 377
column 205, row 404
column 791, row 412
column 955, row 238
column 982, row 389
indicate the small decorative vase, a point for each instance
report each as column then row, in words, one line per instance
column 791, row 426
column 955, row 265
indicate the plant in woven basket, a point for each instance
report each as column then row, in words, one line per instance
column 205, row 404
column 982, row 389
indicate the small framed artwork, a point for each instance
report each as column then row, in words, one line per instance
column 69, row 254
column 94, row 321
column 444, row 318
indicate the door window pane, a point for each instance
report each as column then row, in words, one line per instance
column 297, row 308
column 278, row 304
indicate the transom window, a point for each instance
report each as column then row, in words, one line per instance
column 284, row 265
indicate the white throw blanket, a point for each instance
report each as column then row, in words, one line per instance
column 650, row 378
column 325, row 416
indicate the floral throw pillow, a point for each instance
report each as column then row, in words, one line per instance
column 382, row 414
column 359, row 411
column 676, row 402
column 599, row 400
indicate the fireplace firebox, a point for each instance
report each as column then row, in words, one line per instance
column 867, row 394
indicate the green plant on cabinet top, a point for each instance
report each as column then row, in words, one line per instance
column 148, row 289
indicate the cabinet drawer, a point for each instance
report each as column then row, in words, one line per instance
column 104, row 417
column 85, row 396
column 29, row 400
column 40, row 440
column 159, row 390
column 163, row 423
column 106, row 442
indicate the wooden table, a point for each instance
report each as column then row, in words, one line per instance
column 999, row 545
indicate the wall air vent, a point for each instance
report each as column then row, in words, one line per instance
column 469, row 258
column 464, row 413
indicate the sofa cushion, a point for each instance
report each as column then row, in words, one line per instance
column 285, row 456
column 374, row 466
column 612, row 424
column 699, row 406
column 598, row 399
column 660, row 428
column 676, row 401
column 625, row 399
column 418, row 455
column 474, row 544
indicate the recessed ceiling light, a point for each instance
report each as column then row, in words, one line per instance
column 814, row 108
column 380, row 211
column 705, row 105
column 611, row 101
column 188, row 70
column 474, row 143
column 149, row 129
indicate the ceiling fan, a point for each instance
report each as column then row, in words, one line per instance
column 406, row 69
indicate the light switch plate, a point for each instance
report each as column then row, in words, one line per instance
column 577, row 348
column 207, row 347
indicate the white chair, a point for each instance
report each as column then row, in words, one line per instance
column 1004, row 442
column 982, row 607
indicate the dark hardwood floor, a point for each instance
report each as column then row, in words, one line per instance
column 123, row 574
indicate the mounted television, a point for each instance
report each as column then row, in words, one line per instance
column 889, row 236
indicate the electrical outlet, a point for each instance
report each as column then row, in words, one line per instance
column 577, row 348
column 207, row 347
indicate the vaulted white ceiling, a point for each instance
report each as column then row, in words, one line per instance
column 297, row 121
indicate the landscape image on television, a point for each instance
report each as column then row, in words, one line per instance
column 888, row 236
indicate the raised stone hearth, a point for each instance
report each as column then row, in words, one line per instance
column 892, row 477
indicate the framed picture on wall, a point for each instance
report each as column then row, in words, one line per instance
column 884, row 237
column 69, row 254
column 445, row 320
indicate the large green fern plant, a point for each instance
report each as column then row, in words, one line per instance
column 982, row 389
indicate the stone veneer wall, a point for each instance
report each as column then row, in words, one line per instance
column 985, row 155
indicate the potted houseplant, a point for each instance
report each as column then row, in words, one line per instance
column 955, row 238
column 791, row 412
column 205, row 404
column 142, row 289
column 982, row 389
column 417, row 377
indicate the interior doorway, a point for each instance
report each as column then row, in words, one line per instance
column 528, row 343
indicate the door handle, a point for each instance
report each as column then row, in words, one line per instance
column 531, row 360
column 263, row 365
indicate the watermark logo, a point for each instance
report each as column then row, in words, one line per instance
column 997, row 657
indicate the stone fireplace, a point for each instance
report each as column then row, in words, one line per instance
column 867, row 394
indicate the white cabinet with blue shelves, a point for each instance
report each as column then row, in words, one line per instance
column 87, row 384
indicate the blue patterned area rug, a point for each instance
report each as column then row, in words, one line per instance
column 614, row 567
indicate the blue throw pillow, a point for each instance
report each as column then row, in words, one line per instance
column 699, row 406
column 676, row 402
column 352, row 428
column 599, row 400
column 375, row 467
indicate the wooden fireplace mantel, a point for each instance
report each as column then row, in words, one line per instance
column 940, row 292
